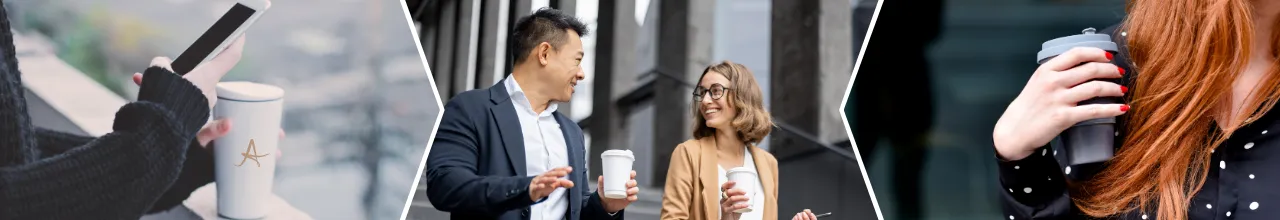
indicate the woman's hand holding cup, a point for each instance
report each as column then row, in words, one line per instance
column 218, row 128
column 206, row 76
column 732, row 199
column 212, row 130
column 1047, row 105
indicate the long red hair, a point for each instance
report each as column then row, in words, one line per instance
column 1187, row 55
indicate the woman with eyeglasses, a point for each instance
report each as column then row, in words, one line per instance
column 729, row 119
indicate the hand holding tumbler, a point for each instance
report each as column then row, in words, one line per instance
column 1089, row 141
column 1071, row 96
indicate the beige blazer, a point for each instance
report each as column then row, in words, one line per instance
column 693, row 189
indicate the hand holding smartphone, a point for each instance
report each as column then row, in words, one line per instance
column 223, row 32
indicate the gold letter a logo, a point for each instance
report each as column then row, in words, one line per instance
column 254, row 156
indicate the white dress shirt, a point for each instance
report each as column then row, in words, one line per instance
column 544, row 149
column 757, row 199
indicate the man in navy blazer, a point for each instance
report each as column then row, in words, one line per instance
column 505, row 153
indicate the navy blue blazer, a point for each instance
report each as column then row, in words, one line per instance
column 476, row 167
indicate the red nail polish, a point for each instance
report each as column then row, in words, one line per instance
column 1109, row 56
column 1124, row 108
column 1121, row 70
column 1124, row 89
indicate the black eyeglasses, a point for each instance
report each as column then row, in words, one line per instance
column 716, row 90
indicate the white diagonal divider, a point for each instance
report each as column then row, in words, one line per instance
column 417, row 177
column 862, row 166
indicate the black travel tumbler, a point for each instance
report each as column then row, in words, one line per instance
column 1092, row 140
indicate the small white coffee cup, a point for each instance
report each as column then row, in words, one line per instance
column 245, row 163
column 617, row 171
column 744, row 179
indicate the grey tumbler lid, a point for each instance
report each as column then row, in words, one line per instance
column 1088, row 38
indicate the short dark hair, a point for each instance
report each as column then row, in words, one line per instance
column 545, row 25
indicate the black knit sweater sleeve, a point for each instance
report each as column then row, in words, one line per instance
column 197, row 169
column 121, row 175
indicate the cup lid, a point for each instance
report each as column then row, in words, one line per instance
column 1088, row 38
column 620, row 153
column 248, row 91
column 741, row 170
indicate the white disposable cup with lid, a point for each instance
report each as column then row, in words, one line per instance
column 617, row 171
column 744, row 179
column 244, row 159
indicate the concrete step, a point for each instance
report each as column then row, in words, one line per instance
column 649, row 205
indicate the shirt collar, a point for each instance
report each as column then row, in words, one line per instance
column 513, row 89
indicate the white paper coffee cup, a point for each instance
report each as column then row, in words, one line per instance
column 744, row 179
column 244, row 159
column 617, row 171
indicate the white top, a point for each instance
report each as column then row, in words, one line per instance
column 544, row 149
column 757, row 200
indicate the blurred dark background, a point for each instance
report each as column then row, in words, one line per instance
column 935, row 78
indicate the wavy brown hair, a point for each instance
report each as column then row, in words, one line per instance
column 752, row 121
column 1187, row 54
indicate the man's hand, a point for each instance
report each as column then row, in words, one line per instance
column 548, row 182
column 615, row 205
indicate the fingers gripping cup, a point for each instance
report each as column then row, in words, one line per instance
column 244, row 166
column 744, row 179
column 617, row 171
column 1090, row 141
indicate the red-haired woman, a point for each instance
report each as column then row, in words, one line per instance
column 1194, row 142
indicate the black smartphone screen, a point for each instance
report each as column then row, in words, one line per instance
column 209, row 41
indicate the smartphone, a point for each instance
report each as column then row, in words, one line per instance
column 221, row 34
column 822, row 215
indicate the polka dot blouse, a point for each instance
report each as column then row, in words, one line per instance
column 1244, row 182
